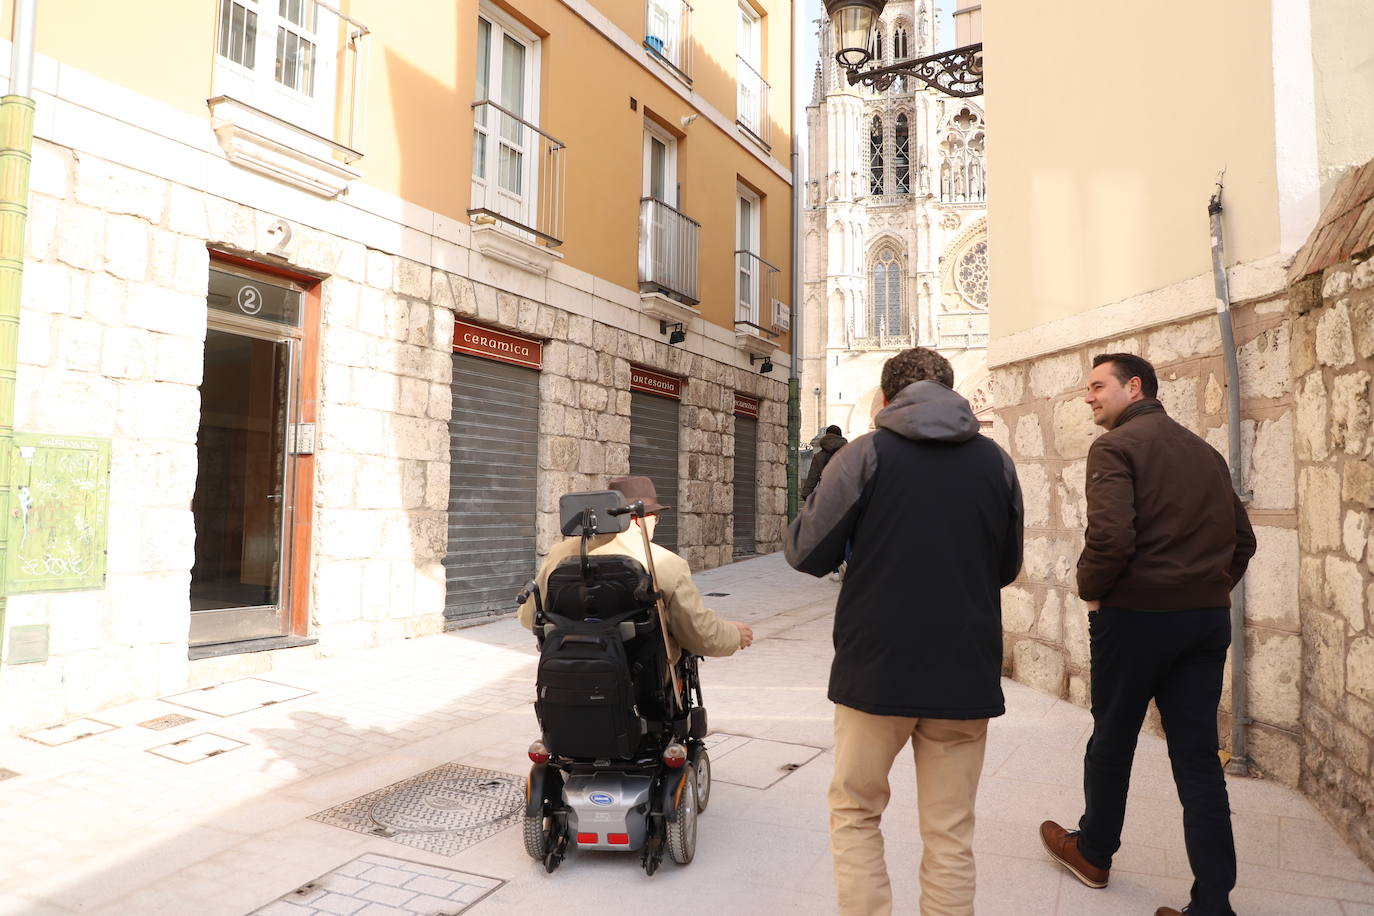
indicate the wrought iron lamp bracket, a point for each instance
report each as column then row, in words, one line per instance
column 957, row 73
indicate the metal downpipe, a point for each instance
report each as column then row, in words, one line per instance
column 16, row 148
column 1239, row 764
column 794, row 369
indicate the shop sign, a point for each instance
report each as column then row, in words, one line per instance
column 655, row 383
column 746, row 406
column 497, row 345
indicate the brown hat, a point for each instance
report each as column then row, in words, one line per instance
column 639, row 488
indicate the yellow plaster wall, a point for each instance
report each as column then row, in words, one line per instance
column 1107, row 126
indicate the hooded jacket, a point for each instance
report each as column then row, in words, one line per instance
column 829, row 444
column 933, row 511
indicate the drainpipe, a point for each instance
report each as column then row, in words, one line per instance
column 793, row 372
column 1240, row 760
column 16, row 145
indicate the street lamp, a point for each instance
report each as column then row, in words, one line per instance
column 957, row 73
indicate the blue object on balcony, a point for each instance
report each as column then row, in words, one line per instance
column 655, row 44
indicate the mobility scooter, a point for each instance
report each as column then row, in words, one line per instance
column 620, row 763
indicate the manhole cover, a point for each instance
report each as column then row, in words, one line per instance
column 445, row 804
column 444, row 810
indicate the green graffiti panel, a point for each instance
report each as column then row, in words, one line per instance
column 58, row 527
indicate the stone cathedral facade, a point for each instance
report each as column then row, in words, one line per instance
column 895, row 245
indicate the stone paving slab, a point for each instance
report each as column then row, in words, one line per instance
column 99, row 825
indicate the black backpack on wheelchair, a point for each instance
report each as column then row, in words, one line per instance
column 619, row 765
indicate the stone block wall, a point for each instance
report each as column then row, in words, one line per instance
column 1041, row 419
column 1333, row 363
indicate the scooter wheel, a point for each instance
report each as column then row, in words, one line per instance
column 537, row 840
column 682, row 832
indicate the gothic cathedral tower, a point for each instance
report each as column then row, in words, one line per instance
column 895, row 245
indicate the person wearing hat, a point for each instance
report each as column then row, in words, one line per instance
column 692, row 625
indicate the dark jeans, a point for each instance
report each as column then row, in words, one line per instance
column 1176, row 658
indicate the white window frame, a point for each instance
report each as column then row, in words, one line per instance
column 524, row 205
column 258, row 86
column 750, row 35
column 748, row 270
column 652, row 132
column 670, row 14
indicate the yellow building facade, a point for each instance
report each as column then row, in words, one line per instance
column 352, row 294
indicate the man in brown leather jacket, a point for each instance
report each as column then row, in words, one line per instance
column 1167, row 540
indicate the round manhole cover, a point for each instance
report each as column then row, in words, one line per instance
column 452, row 803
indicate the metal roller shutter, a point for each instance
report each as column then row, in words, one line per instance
column 746, row 485
column 493, row 461
column 654, row 454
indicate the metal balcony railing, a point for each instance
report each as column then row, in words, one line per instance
column 752, row 102
column 757, row 288
column 668, row 34
column 517, row 173
column 668, row 241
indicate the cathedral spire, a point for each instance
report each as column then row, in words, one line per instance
column 817, row 90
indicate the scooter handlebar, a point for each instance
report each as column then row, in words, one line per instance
column 635, row 508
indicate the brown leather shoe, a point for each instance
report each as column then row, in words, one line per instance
column 1169, row 911
column 1062, row 845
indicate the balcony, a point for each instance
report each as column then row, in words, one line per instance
column 668, row 35
column 752, row 103
column 668, row 245
column 757, row 291
column 517, row 177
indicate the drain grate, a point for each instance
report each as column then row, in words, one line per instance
column 162, row 723
column 444, row 810
column 717, row 594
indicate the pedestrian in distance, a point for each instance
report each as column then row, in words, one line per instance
column 933, row 510
column 1167, row 541
column 831, row 442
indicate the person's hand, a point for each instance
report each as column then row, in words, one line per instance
column 746, row 635
column 1094, row 605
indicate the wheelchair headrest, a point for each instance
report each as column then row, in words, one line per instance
column 619, row 586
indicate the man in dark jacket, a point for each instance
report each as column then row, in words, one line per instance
column 830, row 443
column 933, row 510
column 1167, row 540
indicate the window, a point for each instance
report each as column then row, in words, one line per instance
column 971, row 274
column 748, row 262
column 902, row 159
column 961, row 152
column 875, row 50
column 750, row 40
column 875, row 157
column 660, row 165
column 667, row 33
column 885, row 318
column 899, row 45
column 278, row 55
column 751, row 100
column 505, row 143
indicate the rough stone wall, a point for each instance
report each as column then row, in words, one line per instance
column 1042, row 420
column 1333, row 362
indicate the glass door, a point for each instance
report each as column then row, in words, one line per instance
column 242, row 502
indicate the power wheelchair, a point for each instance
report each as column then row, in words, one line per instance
column 620, row 764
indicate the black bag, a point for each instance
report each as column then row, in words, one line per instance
column 585, row 698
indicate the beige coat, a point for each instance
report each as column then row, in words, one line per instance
column 690, row 623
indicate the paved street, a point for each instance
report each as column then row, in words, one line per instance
column 101, row 825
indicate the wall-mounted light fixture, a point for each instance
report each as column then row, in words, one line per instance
column 679, row 331
column 767, row 363
column 957, row 73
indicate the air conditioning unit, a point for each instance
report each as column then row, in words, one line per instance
column 782, row 316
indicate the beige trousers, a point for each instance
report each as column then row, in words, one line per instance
column 949, row 760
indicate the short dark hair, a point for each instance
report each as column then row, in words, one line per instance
column 915, row 365
column 833, row 430
column 1126, row 366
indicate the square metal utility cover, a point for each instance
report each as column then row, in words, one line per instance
column 237, row 696
column 70, row 731
column 755, row 762
column 381, row 884
column 444, row 810
column 196, row 748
